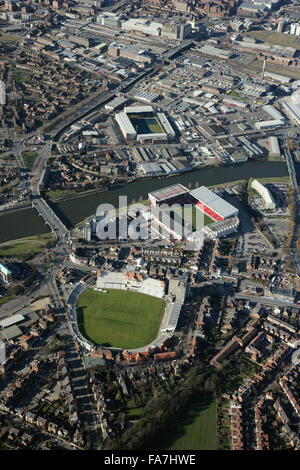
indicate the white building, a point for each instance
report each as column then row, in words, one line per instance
column 5, row 274
column 264, row 193
column 262, row 125
column 151, row 28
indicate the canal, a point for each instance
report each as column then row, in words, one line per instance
column 27, row 222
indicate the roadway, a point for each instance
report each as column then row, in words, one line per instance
column 293, row 177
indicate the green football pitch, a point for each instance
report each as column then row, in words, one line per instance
column 145, row 125
column 118, row 318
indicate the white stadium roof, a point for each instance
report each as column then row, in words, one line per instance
column 125, row 124
column 138, row 109
column 214, row 202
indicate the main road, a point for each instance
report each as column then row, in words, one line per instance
column 292, row 173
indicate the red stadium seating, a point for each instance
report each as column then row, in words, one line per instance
column 208, row 211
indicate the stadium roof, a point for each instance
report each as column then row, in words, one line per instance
column 138, row 109
column 213, row 201
column 170, row 191
column 166, row 124
column 11, row 320
column 125, row 124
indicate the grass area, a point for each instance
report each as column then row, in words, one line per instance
column 196, row 218
column 29, row 159
column 57, row 193
column 5, row 299
column 206, row 220
column 134, row 413
column 119, row 318
column 229, row 183
column 277, row 179
column 9, row 157
column 193, row 429
column 256, row 67
column 273, row 37
column 22, row 77
column 6, row 37
column 236, row 95
column 25, row 246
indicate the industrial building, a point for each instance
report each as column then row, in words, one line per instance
column 216, row 52
column 274, row 113
column 133, row 53
column 151, row 28
column 274, row 146
column 264, row 193
column 264, row 125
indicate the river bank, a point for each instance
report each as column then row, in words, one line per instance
column 24, row 223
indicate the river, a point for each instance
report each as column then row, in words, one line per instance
column 25, row 222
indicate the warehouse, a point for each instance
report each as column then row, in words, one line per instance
column 274, row 147
column 273, row 112
column 212, row 204
column 262, row 125
column 216, row 52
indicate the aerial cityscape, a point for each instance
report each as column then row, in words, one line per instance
column 150, row 226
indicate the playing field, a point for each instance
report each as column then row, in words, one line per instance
column 146, row 125
column 194, row 428
column 119, row 318
column 201, row 432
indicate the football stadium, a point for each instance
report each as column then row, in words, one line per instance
column 219, row 217
column 144, row 124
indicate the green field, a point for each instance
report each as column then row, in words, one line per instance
column 29, row 159
column 192, row 429
column 146, row 125
column 57, row 193
column 274, row 37
column 201, row 432
column 119, row 318
column 26, row 246
column 193, row 218
column 207, row 220
column 5, row 299
column 6, row 37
